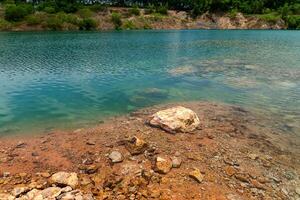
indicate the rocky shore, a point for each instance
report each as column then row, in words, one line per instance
column 195, row 150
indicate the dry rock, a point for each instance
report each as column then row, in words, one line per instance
column 163, row 165
column 136, row 146
column 65, row 178
column 176, row 162
column 176, row 119
column 115, row 157
column 196, row 175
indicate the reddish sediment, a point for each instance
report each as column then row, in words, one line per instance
column 240, row 154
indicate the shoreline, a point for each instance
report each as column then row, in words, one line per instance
column 238, row 153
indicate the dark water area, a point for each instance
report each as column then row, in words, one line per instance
column 62, row 80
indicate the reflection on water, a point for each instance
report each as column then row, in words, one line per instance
column 69, row 80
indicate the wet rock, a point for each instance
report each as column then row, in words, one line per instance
column 17, row 191
column 136, row 146
column 115, row 157
column 163, row 165
column 65, row 178
column 176, row 119
column 176, row 162
column 196, row 175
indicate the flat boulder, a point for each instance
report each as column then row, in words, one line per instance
column 176, row 119
column 65, row 179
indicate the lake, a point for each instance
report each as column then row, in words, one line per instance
column 66, row 80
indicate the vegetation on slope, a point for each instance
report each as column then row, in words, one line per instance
column 73, row 14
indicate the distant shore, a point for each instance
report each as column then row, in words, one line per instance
column 123, row 19
column 238, row 153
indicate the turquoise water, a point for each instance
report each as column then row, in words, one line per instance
column 68, row 80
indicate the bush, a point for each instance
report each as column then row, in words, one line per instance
column 98, row 7
column 150, row 9
column 162, row 10
column 116, row 20
column 85, row 13
column 54, row 23
column 68, row 18
column 129, row 25
column 34, row 20
column 87, row 24
column 233, row 13
column 134, row 11
column 49, row 10
column 4, row 25
column 271, row 17
column 293, row 22
column 17, row 12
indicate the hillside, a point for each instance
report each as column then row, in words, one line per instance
column 127, row 18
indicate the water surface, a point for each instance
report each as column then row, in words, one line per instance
column 67, row 80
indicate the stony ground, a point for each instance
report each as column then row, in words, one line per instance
column 234, row 154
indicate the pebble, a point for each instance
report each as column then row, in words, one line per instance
column 115, row 157
column 176, row 162
column 196, row 175
column 163, row 165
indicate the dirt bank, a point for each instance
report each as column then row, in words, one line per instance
column 239, row 155
column 174, row 20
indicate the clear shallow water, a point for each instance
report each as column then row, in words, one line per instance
column 70, row 80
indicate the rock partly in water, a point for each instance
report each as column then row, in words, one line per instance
column 115, row 157
column 65, row 179
column 163, row 165
column 176, row 119
column 136, row 146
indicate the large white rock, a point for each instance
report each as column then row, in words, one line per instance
column 176, row 119
column 65, row 178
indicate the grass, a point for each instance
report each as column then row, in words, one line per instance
column 272, row 17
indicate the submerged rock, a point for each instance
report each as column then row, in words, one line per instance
column 136, row 146
column 65, row 178
column 163, row 165
column 176, row 119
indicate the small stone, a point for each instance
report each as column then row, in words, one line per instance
column 50, row 193
column 21, row 144
column 229, row 170
column 163, row 165
column 136, row 146
column 241, row 177
column 89, row 169
column 91, row 142
column 17, row 191
column 196, row 175
column 44, row 174
column 6, row 174
column 253, row 156
column 257, row 184
column 65, row 178
column 34, row 154
column 6, row 197
column 176, row 162
column 115, row 157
